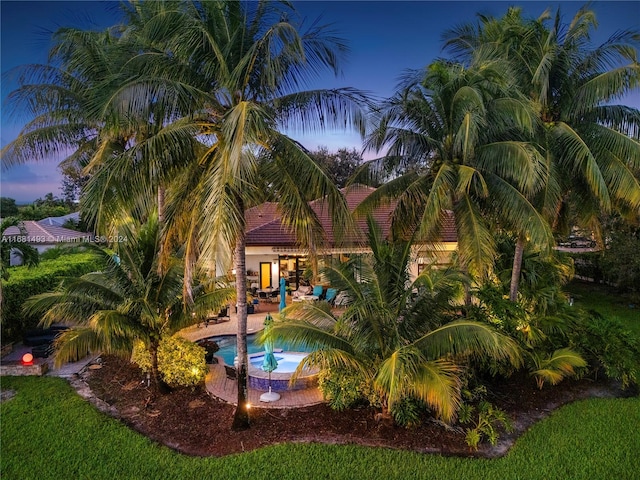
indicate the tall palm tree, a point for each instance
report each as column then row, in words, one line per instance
column 245, row 64
column 127, row 301
column 405, row 337
column 466, row 127
column 591, row 147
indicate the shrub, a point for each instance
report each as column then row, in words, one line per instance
column 345, row 389
column 485, row 425
column 26, row 282
column 60, row 251
column 406, row 412
column 609, row 348
column 181, row 363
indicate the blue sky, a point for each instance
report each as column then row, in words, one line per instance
column 385, row 37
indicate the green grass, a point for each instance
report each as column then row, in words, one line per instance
column 48, row 432
column 604, row 301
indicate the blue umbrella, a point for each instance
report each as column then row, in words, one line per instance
column 283, row 294
column 269, row 364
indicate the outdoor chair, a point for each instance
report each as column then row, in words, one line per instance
column 302, row 290
column 231, row 373
column 224, row 313
column 342, row 300
column 330, row 296
column 274, row 296
column 263, row 296
column 317, row 291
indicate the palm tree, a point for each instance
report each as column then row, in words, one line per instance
column 127, row 301
column 590, row 146
column 245, row 64
column 466, row 129
column 406, row 338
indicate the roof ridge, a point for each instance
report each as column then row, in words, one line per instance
column 41, row 227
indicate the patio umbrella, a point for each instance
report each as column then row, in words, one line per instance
column 283, row 294
column 269, row 364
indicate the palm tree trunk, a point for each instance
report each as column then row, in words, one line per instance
column 241, row 416
column 161, row 206
column 516, row 270
column 156, row 380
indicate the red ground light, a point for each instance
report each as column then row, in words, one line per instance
column 27, row 359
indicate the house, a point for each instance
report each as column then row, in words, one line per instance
column 43, row 237
column 60, row 221
column 272, row 250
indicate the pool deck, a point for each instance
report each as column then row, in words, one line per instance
column 227, row 390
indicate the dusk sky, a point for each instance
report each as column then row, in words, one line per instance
column 385, row 38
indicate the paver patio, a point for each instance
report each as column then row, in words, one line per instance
column 216, row 381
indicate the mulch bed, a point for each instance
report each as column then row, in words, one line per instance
column 194, row 423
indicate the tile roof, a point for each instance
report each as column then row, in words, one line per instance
column 264, row 227
column 59, row 221
column 36, row 233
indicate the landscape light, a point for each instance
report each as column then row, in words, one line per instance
column 27, row 359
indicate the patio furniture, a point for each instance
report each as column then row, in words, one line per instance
column 302, row 290
column 331, row 294
column 317, row 291
column 342, row 300
column 273, row 296
column 231, row 373
column 306, row 298
column 224, row 313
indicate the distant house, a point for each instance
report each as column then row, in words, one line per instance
column 43, row 237
column 272, row 250
column 60, row 221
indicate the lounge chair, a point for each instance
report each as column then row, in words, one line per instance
column 342, row 300
column 301, row 291
column 317, row 291
column 330, row 296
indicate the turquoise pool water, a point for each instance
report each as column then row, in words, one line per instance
column 227, row 344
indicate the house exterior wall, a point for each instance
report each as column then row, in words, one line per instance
column 436, row 254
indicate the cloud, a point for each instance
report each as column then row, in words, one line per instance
column 29, row 181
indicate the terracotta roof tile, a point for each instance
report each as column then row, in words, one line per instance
column 264, row 227
column 41, row 234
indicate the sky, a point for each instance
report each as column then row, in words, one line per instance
column 385, row 39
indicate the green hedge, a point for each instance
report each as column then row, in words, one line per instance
column 25, row 282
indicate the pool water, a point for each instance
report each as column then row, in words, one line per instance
column 287, row 362
column 227, row 344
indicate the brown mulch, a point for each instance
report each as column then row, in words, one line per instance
column 194, row 423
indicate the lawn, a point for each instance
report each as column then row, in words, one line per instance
column 49, row 432
column 606, row 302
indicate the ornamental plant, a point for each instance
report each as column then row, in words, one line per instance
column 181, row 363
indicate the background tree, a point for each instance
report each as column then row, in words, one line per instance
column 8, row 207
column 340, row 165
column 591, row 146
column 467, row 127
column 620, row 261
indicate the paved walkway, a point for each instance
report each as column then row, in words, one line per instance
column 65, row 371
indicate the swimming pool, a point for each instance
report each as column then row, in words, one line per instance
column 287, row 361
column 228, row 350
column 259, row 379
